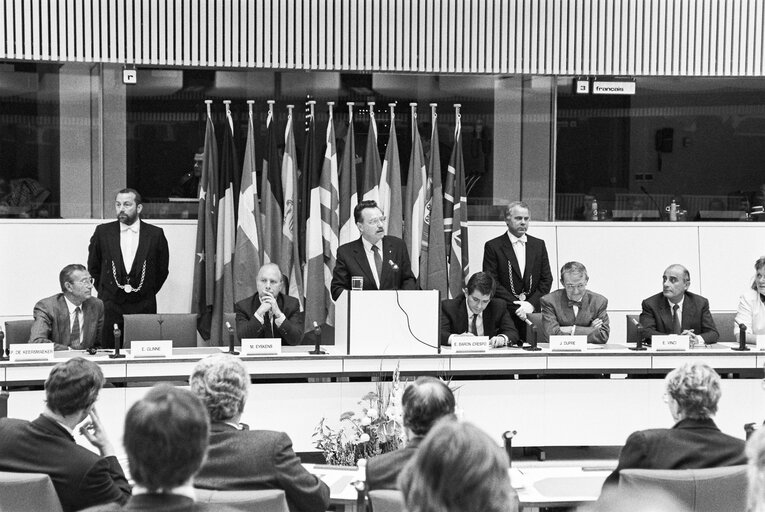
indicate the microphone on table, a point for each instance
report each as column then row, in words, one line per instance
column 231, row 340
column 639, row 343
column 393, row 265
column 507, row 439
column 658, row 208
column 3, row 351
column 533, row 345
column 317, row 334
column 741, row 339
column 160, row 321
column 117, row 344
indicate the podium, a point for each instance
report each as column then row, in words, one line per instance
column 387, row 322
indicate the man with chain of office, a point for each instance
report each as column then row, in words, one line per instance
column 128, row 259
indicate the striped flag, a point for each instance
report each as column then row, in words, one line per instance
column 308, row 177
column 433, row 273
column 370, row 181
column 271, row 193
column 414, row 208
column 322, row 237
column 390, row 184
column 289, row 261
column 203, row 294
column 247, row 255
column 348, row 184
column 455, row 215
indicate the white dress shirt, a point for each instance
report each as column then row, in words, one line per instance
column 519, row 248
column 129, row 242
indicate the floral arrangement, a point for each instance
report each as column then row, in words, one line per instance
column 377, row 428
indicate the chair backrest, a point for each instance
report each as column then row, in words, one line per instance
column 540, row 336
column 179, row 327
column 386, row 500
column 723, row 321
column 266, row 500
column 28, row 492
column 18, row 331
column 701, row 490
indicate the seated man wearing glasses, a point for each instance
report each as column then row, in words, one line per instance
column 71, row 319
column 575, row 310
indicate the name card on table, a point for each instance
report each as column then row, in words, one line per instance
column 261, row 346
column 681, row 342
column 151, row 348
column 761, row 342
column 568, row 342
column 461, row 344
column 31, row 351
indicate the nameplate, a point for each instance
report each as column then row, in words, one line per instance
column 761, row 342
column 31, row 351
column 568, row 342
column 678, row 342
column 261, row 346
column 470, row 344
column 151, row 348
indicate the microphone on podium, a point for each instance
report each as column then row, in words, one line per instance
column 117, row 344
column 741, row 339
column 639, row 343
column 533, row 345
column 317, row 347
column 231, row 340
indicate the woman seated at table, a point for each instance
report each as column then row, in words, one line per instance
column 694, row 442
column 751, row 305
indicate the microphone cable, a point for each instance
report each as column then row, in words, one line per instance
column 409, row 325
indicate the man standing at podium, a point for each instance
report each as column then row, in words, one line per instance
column 381, row 261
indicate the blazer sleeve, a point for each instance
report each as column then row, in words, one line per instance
column 42, row 328
column 491, row 265
column 633, row 455
column 505, row 324
column 305, row 492
column 94, row 258
column 708, row 328
column 446, row 323
column 597, row 335
column 247, row 324
column 545, row 278
column 105, row 482
column 648, row 319
column 549, row 316
column 163, row 261
column 291, row 330
column 340, row 278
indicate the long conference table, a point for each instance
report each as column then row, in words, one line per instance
column 587, row 398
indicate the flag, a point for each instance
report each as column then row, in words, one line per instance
column 433, row 256
column 348, row 184
column 224, row 239
column 247, row 259
column 271, row 193
column 289, row 261
column 203, row 291
column 414, row 208
column 370, row 181
column 390, row 185
column 455, row 216
column 308, row 177
column 322, row 238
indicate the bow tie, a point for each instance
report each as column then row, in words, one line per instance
column 521, row 240
column 133, row 228
column 572, row 303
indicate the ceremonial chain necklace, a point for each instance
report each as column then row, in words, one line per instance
column 522, row 295
column 126, row 287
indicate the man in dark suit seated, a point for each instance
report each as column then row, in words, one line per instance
column 487, row 316
column 71, row 319
column 46, row 445
column 678, row 311
column 269, row 313
column 575, row 309
column 239, row 458
column 424, row 402
column 381, row 260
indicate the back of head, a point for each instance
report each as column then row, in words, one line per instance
column 458, row 468
column 425, row 401
column 221, row 382
column 73, row 386
column 696, row 388
column 755, row 454
column 166, row 437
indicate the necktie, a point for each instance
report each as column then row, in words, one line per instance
column 473, row 328
column 268, row 326
column 378, row 262
column 74, row 337
column 676, row 320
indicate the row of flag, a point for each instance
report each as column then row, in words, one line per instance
column 298, row 216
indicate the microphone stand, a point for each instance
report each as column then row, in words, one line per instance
column 741, row 339
column 317, row 347
column 655, row 204
column 160, row 321
column 639, row 344
column 4, row 353
column 117, row 344
column 231, row 340
column 533, row 347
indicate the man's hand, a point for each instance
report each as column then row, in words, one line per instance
column 693, row 337
column 566, row 329
column 497, row 341
column 94, row 432
column 524, row 308
column 596, row 323
column 265, row 304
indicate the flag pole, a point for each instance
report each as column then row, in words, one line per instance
column 271, row 104
column 433, row 114
column 392, row 112
column 311, row 104
column 208, row 103
column 413, row 107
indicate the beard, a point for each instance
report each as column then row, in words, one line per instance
column 127, row 219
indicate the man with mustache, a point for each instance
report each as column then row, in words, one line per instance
column 381, row 260
column 129, row 261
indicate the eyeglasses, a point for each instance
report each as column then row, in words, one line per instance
column 86, row 281
column 376, row 220
column 577, row 287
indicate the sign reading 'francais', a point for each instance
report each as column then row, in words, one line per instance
column 627, row 87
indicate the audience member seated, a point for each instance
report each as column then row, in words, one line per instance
column 46, row 445
column 458, row 468
column 71, row 319
column 677, row 311
column 755, row 454
column 269, row 313
column 239, row 458
column 694, row 442
column 487, row 316
column 424, row 402
column 751, row 305
column 575, row 310
column 165, row 439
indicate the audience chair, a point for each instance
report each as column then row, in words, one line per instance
column 386, row 500
column 28, row 492
column 18, row 331
column 266, row 500
column 701, row 490
column 181, row 328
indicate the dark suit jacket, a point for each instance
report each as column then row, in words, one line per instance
column 81, row 478
column 690, row 444
column 52, row 322
column 162, row 503
column 352, row 261
column 496, row 319
column 248, row 326
column 656, row 317
column 556, row 313
column 105, row 248
column 260, row 459
column 383, row 470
